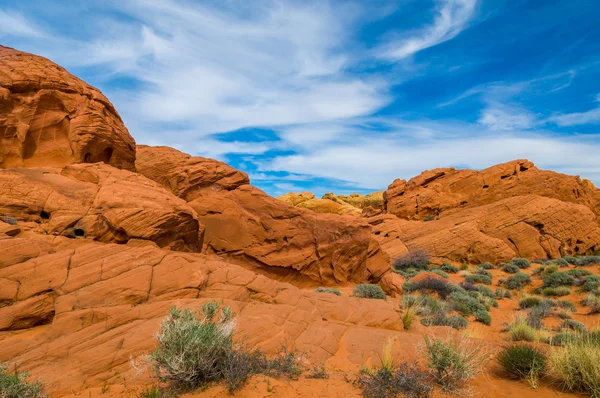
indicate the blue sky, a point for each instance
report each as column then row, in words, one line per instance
column 340, row 96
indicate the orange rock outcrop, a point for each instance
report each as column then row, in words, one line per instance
column 50, row 118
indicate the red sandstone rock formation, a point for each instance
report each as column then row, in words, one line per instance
column 246, row 226
column 99, row 202
column 50, row 118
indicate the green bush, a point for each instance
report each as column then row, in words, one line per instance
column 454, row 362
column 562, row 339
column 476, row 278
column 486, row 291
column 576, row 365
column 417, row 259
column 16, row 385
column 593, row 301
column 440, row 273
column 521, row 262
column 550, row 269
column 517, row 281
column 510, row 268
column 331, row 290
column 502, row 293
column 558, row 279
column 195, row 348
column 405, row 380
column 486, row 266
column 523, row 361
column 582, row 260
column 468, row 305
column 556, row 291
column 572, row 324
column 561, row 262
column 367, row 290
column 529, row 301
column 590, row 283
column 449, row 268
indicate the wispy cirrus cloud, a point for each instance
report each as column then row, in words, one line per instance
column 451, row 18
column 12, row 23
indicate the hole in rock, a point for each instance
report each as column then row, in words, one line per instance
column 106, row 155
column 486, row 186
column 79, row 232
column 44, row 215
column 87, row 158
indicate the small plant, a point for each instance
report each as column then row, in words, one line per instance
column 331, row 290
column 454, row 362
column 572, row 324
column 404, row 380
column 151, row 392
column 593, row 301
column 440, row 273
column 502, row 293
column 430, row 284
column 318, row 372
column 486, row 266
column 449, row 268
column 520, row 330
column 464, row 266
column 367, row 290
column 517, row 281
column 454, row 321
column 468, row 305
column 521, row 262
column 16, row 384
column 576, row 365
column 412, row 306
column 478, row 278
column 417, row 259
column 562, row 339
column 523, row 361
column 590, row 283
column 510, row 268
column 556, row 291
column 550, row 269
column 529, row 301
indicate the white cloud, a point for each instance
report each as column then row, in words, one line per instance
column 375, row 162
column 577, row 118
column 451, row 19
column 14, row 24
column 500, row 117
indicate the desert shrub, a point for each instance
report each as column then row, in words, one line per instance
column 331, row 290
column 318, row 372
column 529, row 301
column 411, row 306
column 486, row 266
column 449, row 268
column 477, row 278
column 404, row 380
column 441, row 319
column 468, row 305
column 558, row 279
column 572, row 324
column 502, row 293
column 536, row 314
column 440, row 273
column 510, row 268
column 593, row 301
column 481, row 271
column 464, row 266
column 486, row 291
column 561, row 262
column 430, row 284
column 562, row 339
column 556, row 291
column 454, row 362
column 417, row 259
column 590, row 283
column 576, row 365
column 578, row 273
column 521, row 262
column 367, row 290
column 195, row 348
column 151, row 392
column 520, row 330
column 582, row 260
column 550, row 269
column 564, row 304
column 523, row 361
column 16, row 384
column 517, row 281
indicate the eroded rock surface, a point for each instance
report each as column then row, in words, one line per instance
column 99, row 202
column 439, row 191
column 50, row 118
column 246, row 226
column 74, row 312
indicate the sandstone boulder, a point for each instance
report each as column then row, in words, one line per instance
column 528, row 226
column 99, row 202
column 246, row 226
column 392, row 284
column 439, row 191
column 50, row 118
